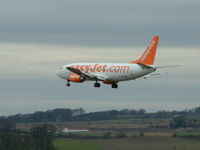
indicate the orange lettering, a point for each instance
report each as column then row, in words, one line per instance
column 104, row 68
column 99, row 68
column 117, row 68
column 111, row 68
column 82, row 67
column 94, row 68
column 87, row 67
column 77, row 66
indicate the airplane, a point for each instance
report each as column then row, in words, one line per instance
column 112, row 73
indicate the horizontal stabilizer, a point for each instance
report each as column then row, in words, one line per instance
column 168, row 66
column 154, row 74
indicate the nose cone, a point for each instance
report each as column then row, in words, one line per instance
column 59, row 73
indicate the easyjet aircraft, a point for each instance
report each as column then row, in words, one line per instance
column 112, row 73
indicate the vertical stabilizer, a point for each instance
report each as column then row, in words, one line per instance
column 148, row 56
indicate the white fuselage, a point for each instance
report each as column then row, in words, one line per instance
column 113, row 72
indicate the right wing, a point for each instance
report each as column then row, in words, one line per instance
column 87, row 75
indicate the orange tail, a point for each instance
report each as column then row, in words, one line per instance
column 148, row 56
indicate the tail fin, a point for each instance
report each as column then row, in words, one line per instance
column 148, row 56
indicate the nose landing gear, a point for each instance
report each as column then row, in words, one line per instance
column 68, row 84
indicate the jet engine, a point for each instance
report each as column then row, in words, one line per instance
column 76, row 78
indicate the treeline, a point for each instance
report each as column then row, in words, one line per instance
column 106, row 135
column 55, row 115
column 112, row 114
column 69, row 115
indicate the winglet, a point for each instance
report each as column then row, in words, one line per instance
column 148, row 56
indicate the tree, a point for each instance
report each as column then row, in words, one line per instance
column 121, row 135
column 124, row 112
column 177, row 123
column 42, row 136
column 197, row 110
column 107, row 135
column 5, row 135
column 78, row 112
column 141, row 112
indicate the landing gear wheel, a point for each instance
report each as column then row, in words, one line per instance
column 68, row 84
column 115, row 85
column 97, row 85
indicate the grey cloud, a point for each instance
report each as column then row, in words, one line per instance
column 100, row 23
column 34, row 35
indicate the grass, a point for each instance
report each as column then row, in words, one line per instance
column 138, row 143
column 91, row 133
column 190, row 134
column 66, row 144
column 114, row 133
column 148, row 143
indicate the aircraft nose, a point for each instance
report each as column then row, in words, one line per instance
column 59, row 73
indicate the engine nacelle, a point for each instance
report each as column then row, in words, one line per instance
column 107, row 82
column 76, row 78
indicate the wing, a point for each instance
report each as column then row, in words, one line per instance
column 87, row 75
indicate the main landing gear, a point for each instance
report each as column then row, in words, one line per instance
column 97, row 85
column 68, row 84
column 114, row 85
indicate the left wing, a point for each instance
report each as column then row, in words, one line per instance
column 85, row 74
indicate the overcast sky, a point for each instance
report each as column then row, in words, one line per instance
column 39, row 36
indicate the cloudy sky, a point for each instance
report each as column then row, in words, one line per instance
column 38, row 36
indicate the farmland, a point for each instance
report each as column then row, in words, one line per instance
column 63, row 144
column 140, row 134
column 148, row 143
column 123, row 124
column 138, row 143
column 161, row 131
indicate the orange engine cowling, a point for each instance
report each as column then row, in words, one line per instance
column 107, row 82
column 76, row 78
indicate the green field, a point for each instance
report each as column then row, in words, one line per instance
column 66, row 144
column 139, row 143
column 149, row 143
column 190, row 134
